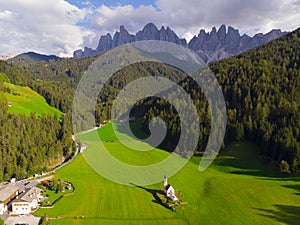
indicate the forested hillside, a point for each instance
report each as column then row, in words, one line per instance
column 49, row 68
column 54, row 78
column 57, row 94
column 262, row 90
column 30, row 144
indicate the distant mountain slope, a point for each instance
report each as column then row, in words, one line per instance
column 52, row 68
column 210, row 47
column 28, row 57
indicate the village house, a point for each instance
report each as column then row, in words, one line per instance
column 27, row 201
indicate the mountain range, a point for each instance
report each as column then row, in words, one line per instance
column 210, row 46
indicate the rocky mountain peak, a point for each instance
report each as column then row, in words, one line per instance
column 210, row 46
column 122, row 37
column 150, row 27
column 149, row 32
column 105, row 43
column 213, row 31
column 222, row 33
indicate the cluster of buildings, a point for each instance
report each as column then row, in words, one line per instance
column 20, row 197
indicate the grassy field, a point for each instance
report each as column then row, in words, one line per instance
column 25, row 101
column 236, row 189
column 52, row 196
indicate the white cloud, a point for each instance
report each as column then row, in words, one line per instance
column 6, row 15
column 189, row 16
column 188, row 36
column 48, row 26
column 110, row 18
column 251, row 14
column 58, row 27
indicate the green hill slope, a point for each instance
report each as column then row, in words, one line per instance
column 4, row 78
column 25, row 101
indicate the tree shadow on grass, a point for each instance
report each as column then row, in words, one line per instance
column 286, row 214
column 293, row 177
column 154, row 193
column 295, row 187
column 245, row 159
column 237, row 167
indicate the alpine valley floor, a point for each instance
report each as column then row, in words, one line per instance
column 236, row 189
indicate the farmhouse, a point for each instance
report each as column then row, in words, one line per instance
column 27, row 201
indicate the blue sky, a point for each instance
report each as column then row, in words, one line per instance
column 61, row 26
column 97, row 3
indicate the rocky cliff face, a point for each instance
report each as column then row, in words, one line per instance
column 220, row 44
column 210, row 46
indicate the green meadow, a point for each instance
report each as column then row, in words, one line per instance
column 236, row 189
column 25, row 101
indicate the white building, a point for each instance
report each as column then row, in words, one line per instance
column 2, row 208
column 169, row 190
column 7, row 193
column 27, row 201
column 21, row 207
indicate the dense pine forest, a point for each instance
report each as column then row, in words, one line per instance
column 261, row 89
